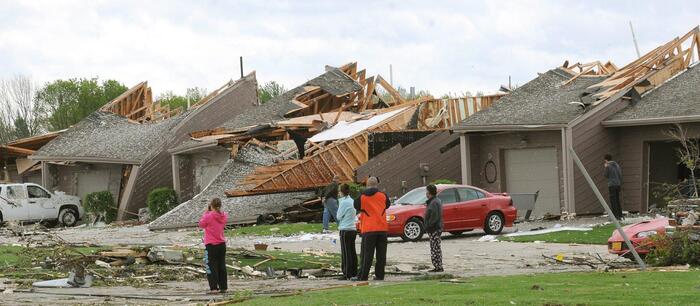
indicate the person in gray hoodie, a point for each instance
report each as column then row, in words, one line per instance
column 613, row 173
column 433, row 226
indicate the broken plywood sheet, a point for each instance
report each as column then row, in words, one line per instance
column 346, row 129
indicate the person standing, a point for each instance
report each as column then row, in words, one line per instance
column 348, row 233
column 213, row 222
column 433, row 226
column 372, row 205
column 330, row 203
column 613, row 173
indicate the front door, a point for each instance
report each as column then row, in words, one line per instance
column 450, row 206
column 40, row 203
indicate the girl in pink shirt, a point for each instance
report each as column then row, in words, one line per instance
column 213, row 222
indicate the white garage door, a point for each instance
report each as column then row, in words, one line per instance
column 530, row 170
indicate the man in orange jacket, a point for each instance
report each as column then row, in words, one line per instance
column 371, row 205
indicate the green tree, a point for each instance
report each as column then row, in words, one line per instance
column 68, row 101
column 270, row 90
column 191, row 97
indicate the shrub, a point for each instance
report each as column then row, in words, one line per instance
column 355, row 189
column 443, row 181
column 160, row 201
column 101, row 203
column 680, row 248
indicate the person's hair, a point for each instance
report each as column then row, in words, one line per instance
column 608, row 157
column 431, row 189
column 215, row 204
column 372, row 182
column 345, row 189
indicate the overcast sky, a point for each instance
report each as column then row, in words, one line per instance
column 440, row 46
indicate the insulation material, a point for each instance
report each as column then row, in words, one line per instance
column 346, row 129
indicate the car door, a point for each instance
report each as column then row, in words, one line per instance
column 17, row 196
column 450, row 215
column 40, row 203
column 472, row 207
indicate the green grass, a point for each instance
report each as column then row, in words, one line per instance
column 281, row 229
column 592, row 288
column 599, row 235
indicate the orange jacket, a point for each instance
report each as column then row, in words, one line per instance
column 372, row 205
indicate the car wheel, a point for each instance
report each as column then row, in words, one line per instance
column 68, row 217
column 494, row 223
column 412, row 230
column 2, row 221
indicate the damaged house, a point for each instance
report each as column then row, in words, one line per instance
column 274, row 157
column 16, row 165
column 122, row 148
column 520, row 144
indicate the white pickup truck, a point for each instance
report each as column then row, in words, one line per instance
column 27, row 202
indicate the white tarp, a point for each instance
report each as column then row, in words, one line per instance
column 343, row 129
column 549, row 230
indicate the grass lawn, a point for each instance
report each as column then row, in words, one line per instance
column 592, row 288
column 599, row 235
column 282, row 229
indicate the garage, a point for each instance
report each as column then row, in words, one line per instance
column 532, row 170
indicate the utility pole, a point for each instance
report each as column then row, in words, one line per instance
column 634, row 39
column 241, row 67
column 391, row 75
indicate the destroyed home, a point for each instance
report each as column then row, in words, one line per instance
column 519, row 145
column 122, row 148
column 330, row 125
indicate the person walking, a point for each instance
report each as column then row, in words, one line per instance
column 433, row 226
column 348, row 233
column 372, row 205
column 213, row 222
column 330, row 203
column 613, row 172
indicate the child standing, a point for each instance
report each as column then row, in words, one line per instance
column 348, row 232
column 213, row 222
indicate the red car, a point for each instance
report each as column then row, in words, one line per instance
column 464, row 208
column 638, row 234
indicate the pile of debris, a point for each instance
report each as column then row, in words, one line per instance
column 328, row 120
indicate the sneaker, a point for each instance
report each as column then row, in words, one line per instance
column 325, row 231
column 222, row 291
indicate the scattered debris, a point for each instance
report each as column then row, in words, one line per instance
column 549, row 230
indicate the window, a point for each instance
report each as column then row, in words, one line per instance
column 448, row 196
column 468, row 194
column 413, row 197
column 16, row 192
column 37, row 193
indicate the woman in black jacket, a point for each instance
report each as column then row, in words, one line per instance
column 433, row 226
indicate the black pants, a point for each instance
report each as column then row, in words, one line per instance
column 370, row 242
column 615, row 201
column 348, row 254
column 216, row 264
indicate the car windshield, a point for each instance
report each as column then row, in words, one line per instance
column 413, row 197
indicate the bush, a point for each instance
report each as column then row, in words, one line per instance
column 680, row 248
column 355, row 189
column 160, row 201
column 101, row 203
column 443, row 181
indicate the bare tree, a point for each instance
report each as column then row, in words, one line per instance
column 20, row 115
column 688, row 153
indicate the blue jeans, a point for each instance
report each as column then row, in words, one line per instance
column 330, row 210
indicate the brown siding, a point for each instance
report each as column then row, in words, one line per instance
column 591, row 142
column 401, row 164
column 495, row 144
column 633, row 163
column 156, row 171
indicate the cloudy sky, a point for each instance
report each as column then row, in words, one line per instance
column 440, row 46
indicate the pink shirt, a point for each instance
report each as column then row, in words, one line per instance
column 213, row 224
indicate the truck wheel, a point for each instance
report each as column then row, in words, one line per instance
column 413, row 230
column 68, row 217
column 494, row 223
column 2, row 221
